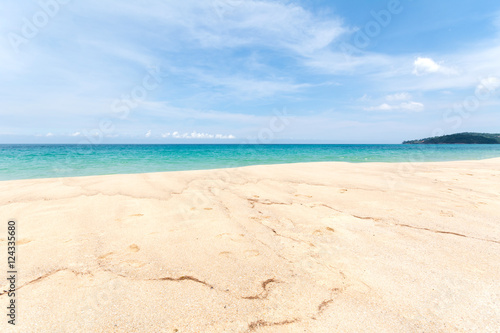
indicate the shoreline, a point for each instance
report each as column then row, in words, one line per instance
column 316, row 247
column 487, row 160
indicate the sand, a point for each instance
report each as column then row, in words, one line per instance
column 311, row 247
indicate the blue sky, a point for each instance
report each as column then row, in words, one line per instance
column 245, row 71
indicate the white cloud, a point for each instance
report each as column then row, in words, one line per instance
column 148, row 134
column 422, row 66
column 282, row 26
column 196, row 135
column 49, row 135
column 245, row 87
column 412, row 106
column 381, row 107
column 274, row 24
column 364, row 98
column 221, row 136
column 478, row 61
column 335, row 62
column 76, row 134
column 226, row 24
column 405, row 106
column 404, row 96
column 491, row 83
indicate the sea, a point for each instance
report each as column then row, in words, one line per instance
column 22, row 161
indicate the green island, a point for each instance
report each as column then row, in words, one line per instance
column 460, row 138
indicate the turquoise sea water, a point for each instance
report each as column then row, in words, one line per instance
column 52, row 161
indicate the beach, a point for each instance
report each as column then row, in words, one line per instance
column 306, row 247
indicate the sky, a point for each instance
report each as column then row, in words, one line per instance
column 247, row 71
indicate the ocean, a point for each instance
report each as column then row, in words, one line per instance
column 53, row 161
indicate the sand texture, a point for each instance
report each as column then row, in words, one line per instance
column 312, row 247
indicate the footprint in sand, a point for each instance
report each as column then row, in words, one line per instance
column 133, row 248
column 343, row 190
column 137, row 215
column 303, row 195
column 19, row 242
column 246, row 254
column 239, row 238
column 446, row 213
column 104, row 256
column 321, row 232
column 251, row 253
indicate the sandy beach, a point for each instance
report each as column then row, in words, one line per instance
column 311, row 247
